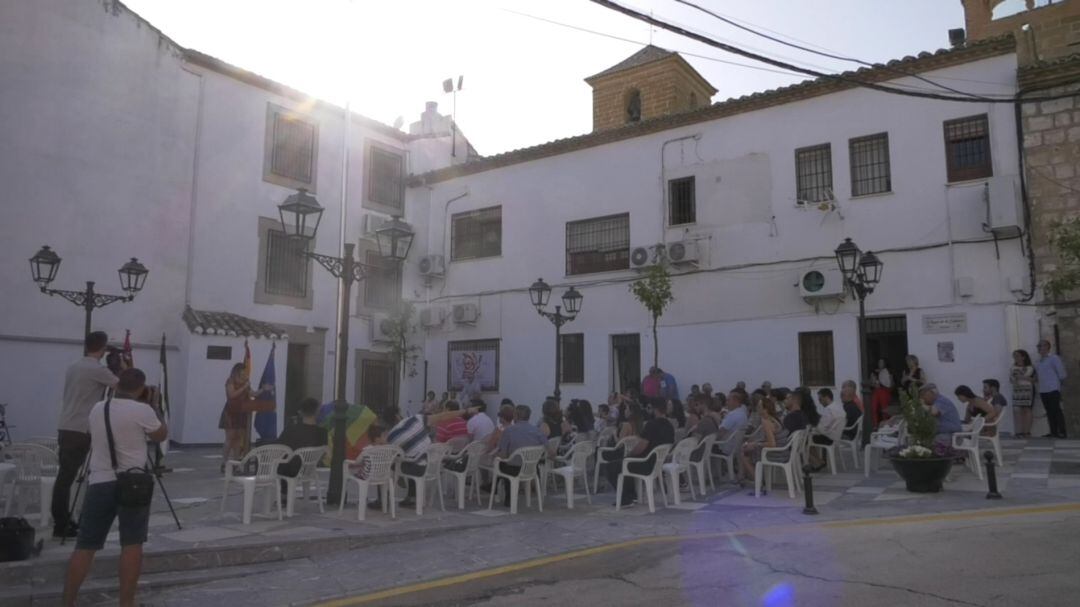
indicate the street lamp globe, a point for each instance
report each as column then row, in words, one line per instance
column 572, row 301
column 44, row 265
column 132, row 276
column 847, row 256
column 870, row 269
column 539, row 293
column 394, row 238
column 300, row 215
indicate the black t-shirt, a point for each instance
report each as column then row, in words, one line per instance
column 795, row 420
column 300, row 436
column 851, row 413
column 658, row 432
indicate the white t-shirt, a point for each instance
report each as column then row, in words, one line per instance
column 131, row 421
column 480, row 426
column 885, row 378
column 832, row 421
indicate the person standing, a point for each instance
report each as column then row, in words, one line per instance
column 882, row 396
column 132, row 424
column 84, row 384
column 913, row 374
column 1022, row 378
column 235, row 421
column 650, row 386
column 1049, row 374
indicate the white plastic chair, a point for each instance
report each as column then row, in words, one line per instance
column 703, row 467
column 727, row 451
column 457, row 444
column 52, row 444
column 680, row 465
column 35, row 470
column 577, row 465
column 432, row 474
column 968, row 442
column 267, row 459
column 680, row 434
column 787, row 458
column 882, row 440
column 624, row 445
column 649, row 479
column 308, row 475
column 378, row 461
column 854, row 444
column 829, row 450
column 475, row 453
column 994, row 440
column 529, row 458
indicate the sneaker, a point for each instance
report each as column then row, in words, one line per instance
column 70, row 531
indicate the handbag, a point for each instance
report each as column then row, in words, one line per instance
column 134, row 486
column 17, row 539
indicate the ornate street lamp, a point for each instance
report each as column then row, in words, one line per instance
column 540, row 294
column 300, row 217
column 862, row 273
column 45, row 264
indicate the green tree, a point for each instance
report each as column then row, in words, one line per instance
column 1065, row 239
column 400, row 326
column 653, row 290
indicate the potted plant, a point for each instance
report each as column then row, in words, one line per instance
column 922, row 463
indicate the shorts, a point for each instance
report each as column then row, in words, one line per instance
column 98, row 512
column 819, row 439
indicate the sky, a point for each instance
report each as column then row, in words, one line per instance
column 524, row 72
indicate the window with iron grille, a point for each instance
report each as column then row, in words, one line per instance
column 573, row 358
column 813, row 174
column 385, row 177
column 816, row 359
column 598, row 245
column 682, row 201
column 476, row 234
column 382, row 284
column 870, row 171
column 291, row 149
column 286, row 269
column 967, row 148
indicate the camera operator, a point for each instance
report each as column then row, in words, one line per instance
column 84, row 385
column 132, row 424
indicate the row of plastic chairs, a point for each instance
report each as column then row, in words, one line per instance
column 36, row 465
column 266, row 460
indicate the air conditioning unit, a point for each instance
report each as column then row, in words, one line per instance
column 433, row 266
column 642, row 257
column 1004, row 210
column 684, row 251
column 381, row 328
column 821, row 283
column 432, row 317
column 466, row 313
column 370, row 222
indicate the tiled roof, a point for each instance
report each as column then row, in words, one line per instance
column 974, row 51
column 646, row 55
column 228, row 324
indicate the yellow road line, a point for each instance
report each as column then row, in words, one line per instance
column 575, row 554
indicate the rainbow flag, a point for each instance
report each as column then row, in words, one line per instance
column 358, row 419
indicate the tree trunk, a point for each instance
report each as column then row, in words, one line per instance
column 655, row 344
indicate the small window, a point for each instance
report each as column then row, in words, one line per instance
column 967, row 148
column 682, row 205
column 816, row 359
column 573, row 358
column 382, row 284
column 476, row 234
column 385, row 177
column 813, row 174
column 633, row 106
column 598, row 245
column 218, row 352
column 286, row 267
column 870, row 172
column 291, row 149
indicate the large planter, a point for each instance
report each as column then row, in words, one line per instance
column 923, row 474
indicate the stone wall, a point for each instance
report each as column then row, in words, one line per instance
column 665, row 88
column 1053, row 31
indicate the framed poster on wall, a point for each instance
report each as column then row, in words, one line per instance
column 477, row 358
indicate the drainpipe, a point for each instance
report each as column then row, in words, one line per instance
column 188, row 276
column 663, row 184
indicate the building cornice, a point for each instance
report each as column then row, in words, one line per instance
column 1048, row 74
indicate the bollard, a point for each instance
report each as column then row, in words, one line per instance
column 991, row 477
column 808, row 485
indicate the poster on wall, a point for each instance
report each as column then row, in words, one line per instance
column 946, row 352
column 471, row 359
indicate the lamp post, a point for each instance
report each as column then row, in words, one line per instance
column 862, row 272
column 45, row 264
column 300, row 216
column 539, row 293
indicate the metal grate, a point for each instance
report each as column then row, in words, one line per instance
column 883, row 325
column 476, row 234
column 382, row 285
column 967, row 148
column 682, row 201
column 601, row 244
column 813, row 174
column 573, row 358
column 870, row 171
column 378, row 383
column 385, row 173
column 293, row 149
column 286, row 267
column 816, row 359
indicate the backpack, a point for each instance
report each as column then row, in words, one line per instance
column 17, row 539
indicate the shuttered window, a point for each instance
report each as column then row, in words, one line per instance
column 816, row 359
column 382, row 286
column 476, row 234
column 286, row 269
column 385, row 177
column 598, row 245
column 682, row 201
column 573, row 358
column 870, row 171
column 967, row 148
column 813, row 174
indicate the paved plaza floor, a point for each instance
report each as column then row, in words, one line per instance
column 312, row 557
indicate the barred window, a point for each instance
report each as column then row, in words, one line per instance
column 286, row 268
column 813, row 174
column 573, row 358
column 816, row 359
column 682, row 201
column 476, row 234
column 291, row 149
column 598, row 245
column 967, row 148
column 385, row 177
column 382, row 286
column 870, row 171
